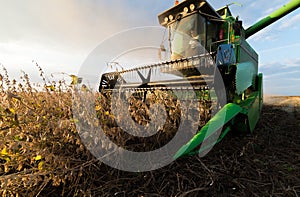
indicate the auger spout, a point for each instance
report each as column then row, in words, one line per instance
column 274, row 16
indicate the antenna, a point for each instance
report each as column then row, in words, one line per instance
column 234, row 3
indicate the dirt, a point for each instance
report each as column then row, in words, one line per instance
column 291, row 104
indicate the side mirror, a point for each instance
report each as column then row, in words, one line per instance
column 160, row 50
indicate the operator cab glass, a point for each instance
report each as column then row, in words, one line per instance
column 187, row 36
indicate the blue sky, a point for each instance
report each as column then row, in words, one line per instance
column 59, row 35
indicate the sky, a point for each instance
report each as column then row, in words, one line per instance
column 60, row 35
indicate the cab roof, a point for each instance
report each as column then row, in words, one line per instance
column 201, row 5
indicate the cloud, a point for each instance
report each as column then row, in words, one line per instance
column 282, row 78
column 72, row 24
column 280, row 48
column 282, row 88
column 264, row 35
column 258, row 10
column 293, row 79
column 287, row 23
column 281, row 66
column 273, row 75
column 59, row 35
column 272, row 6
column 293, row 63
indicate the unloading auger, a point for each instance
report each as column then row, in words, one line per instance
column 202, row 40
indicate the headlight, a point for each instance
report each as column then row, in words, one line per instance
column 185, row 10
column 192, row 7
column 166, row 19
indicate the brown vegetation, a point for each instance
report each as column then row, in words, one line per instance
column 41, row 153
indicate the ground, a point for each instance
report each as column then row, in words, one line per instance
column 49, row 159
column 266, row 163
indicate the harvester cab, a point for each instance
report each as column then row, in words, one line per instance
column 195, row 27
column 203, row 40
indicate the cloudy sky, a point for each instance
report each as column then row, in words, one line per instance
column 60, row 34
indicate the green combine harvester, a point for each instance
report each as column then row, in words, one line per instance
column 197, row 32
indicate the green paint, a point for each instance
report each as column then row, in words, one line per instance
column 245, row 73
column 202, row 149
column 228, row 112
column 260, row 90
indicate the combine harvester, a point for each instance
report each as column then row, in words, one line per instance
column 197, row 32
